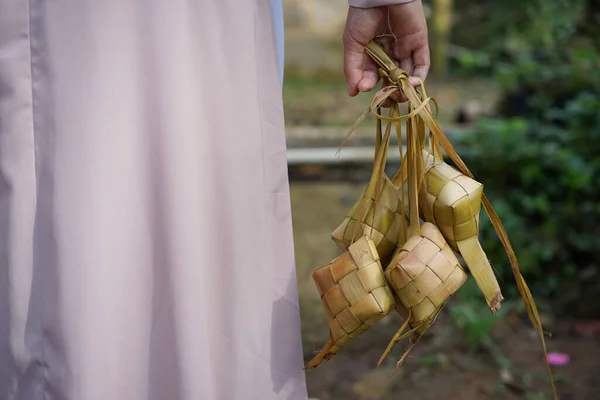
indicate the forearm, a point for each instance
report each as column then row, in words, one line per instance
column 375, row 3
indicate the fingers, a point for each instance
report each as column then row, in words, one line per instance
column 370, row 75
column 361, row 27
column 410, row 27
column 353, row 64
column 407, row 64
column 421, row 65
column 416, row 64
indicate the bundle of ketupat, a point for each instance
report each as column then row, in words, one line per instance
column 423, row 272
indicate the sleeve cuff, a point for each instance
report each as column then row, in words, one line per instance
column 375, row 3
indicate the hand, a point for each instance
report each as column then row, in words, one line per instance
column 410, row 48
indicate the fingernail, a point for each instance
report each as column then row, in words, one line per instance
column 364, row 86
column 414, row 81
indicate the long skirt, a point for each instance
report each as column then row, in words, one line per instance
column 146, row 247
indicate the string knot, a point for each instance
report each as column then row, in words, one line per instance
column 396, row 74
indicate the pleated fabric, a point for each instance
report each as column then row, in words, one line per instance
column 145, row 227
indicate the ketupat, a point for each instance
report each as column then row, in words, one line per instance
column 378, row 211
column 424, row 274
column 355, row 295
column 453, row 203
column 381, row 221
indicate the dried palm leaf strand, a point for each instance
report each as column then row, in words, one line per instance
column 354, row 293
column 398, row 80
column 453, row 203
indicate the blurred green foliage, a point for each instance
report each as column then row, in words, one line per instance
column 494, row 33
column 540, row 157
column 542, row 173
column 475, row 323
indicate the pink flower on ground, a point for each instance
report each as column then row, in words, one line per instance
column 558, row 359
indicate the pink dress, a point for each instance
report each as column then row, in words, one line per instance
column 145, row 231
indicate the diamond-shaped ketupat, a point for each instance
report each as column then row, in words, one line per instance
column 453, row 203
column 354, row 293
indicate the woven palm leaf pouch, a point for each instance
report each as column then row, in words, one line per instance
column 424, row 274
column 352, row 287
column 355, row 295
column 453, row 203
column 450, row 203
